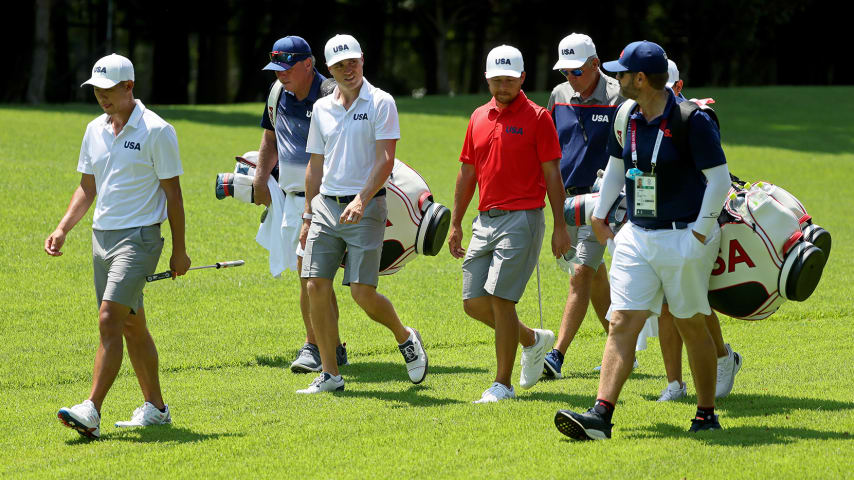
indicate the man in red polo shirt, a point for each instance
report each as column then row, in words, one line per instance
column 511, row 153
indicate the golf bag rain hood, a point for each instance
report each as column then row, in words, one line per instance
column 766, row 255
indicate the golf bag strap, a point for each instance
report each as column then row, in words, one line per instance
column 273, row 102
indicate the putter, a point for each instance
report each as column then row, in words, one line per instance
column 168, row 273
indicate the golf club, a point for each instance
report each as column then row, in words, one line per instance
column 168, row 273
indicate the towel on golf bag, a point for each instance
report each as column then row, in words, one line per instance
column 279, row 232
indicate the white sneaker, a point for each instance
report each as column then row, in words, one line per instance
column 534, row 358
column 325, row 383
column 415, row 356
column 673, row 391
column 634, row 366
column 496, row 393
column 82, row 417
column 147, row 415
column 728, row 366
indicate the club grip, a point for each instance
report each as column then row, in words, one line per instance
column 159, row 276
column 233, row 263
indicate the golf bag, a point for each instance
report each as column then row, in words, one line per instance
column 416, row 224
column 767, row 253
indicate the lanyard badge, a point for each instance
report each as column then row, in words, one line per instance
column 646, row 192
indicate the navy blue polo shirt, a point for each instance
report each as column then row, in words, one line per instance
column 293, row 118
column 680, row 181
column 582, row 127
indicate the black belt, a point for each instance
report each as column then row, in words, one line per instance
column 669, row 226
column 296, row 194
column 494, row 212
column 350, row 198
column 572, row 191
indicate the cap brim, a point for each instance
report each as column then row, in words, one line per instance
column 614, row 66
column 100, row 82
column 277, row 67
column 503, row 73
column 669, row 84
column 564, row 63
column 344, row 56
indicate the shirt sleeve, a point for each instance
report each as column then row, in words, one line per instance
column 315, row 142
column 705, row 141
column 548, row 145
column 551, row 104
column 167, row 160
column 613, row 145
column 386, row 123
column 265, row 117
column 84, row 162
column 467, row 155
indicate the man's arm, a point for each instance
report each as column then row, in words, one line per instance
column 561, row 242
column 313, row 177
column 81, row 200
column 179, row 262
column 383, row 164
column 612, row 183
column 268, row 156
column 463, row 193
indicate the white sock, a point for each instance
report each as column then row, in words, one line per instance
column 674, row 385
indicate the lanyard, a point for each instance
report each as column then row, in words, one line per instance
column 654, row 149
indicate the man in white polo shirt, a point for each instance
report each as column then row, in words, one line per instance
column 130, row 164
column 351, row 139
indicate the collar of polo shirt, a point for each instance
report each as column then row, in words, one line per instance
column 514, row 105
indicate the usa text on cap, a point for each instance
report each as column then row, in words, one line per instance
column 504, row 61
column 287, row 51
column 110, row 70
column 341, row 47
column 643, row 56
column 574, row 50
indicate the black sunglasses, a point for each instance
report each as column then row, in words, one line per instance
column 287, row 57
column 620, row 75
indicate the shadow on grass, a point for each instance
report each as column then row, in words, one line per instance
column 595, row 375
column 566, row 400
column 393, row 371
column 759, row 405
column 156, row 434
column 414, row 396
column 736, row 436
column 276, row 361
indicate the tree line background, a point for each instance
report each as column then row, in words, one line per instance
column 213, row 51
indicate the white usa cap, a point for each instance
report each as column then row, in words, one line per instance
column 341, row 47
column 109, row 71
column 574, row 50
column 672, row 73
column 504, row 61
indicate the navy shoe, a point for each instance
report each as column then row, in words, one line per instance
column 583, row 426
column 341, row 355
column 705, row 423
column 554, row 362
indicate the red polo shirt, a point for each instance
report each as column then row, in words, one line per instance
column 507, row 148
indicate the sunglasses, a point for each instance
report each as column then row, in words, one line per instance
column 577, row 72
column 287, row 57
column 620, row 75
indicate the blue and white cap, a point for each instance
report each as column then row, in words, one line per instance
column 110, row 70
column 643, row 56
column 504, row 61
column 287, row 51
column 341, row 47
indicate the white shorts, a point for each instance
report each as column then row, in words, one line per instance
column 651, row 264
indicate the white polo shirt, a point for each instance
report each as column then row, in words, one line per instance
column 128, row 168
column 347, row 137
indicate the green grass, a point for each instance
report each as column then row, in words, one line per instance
column 226, row 338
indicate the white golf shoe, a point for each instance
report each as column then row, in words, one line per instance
column 83, row 418
column 414, row 355
column 534, row 357
column 673, row 391
column 496, row 393
column 147, row 415
column 324, row 383
column 728, row 366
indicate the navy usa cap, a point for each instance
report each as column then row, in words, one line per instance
column 643, row 56
column 287, row 51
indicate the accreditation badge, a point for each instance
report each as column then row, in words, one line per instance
column 645, row 195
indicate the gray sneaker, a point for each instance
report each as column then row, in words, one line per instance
column 308, row 360
column 341, row 355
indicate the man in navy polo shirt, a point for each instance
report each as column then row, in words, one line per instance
column 582, row 108
column 284, row 143
column 670, row 243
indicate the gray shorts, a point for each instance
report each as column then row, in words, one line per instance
column 327, row 240
column 121, row 259
column 588, row 250
column 502, row 254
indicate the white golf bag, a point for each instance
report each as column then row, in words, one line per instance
column 416, row 224
column 767, row 253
